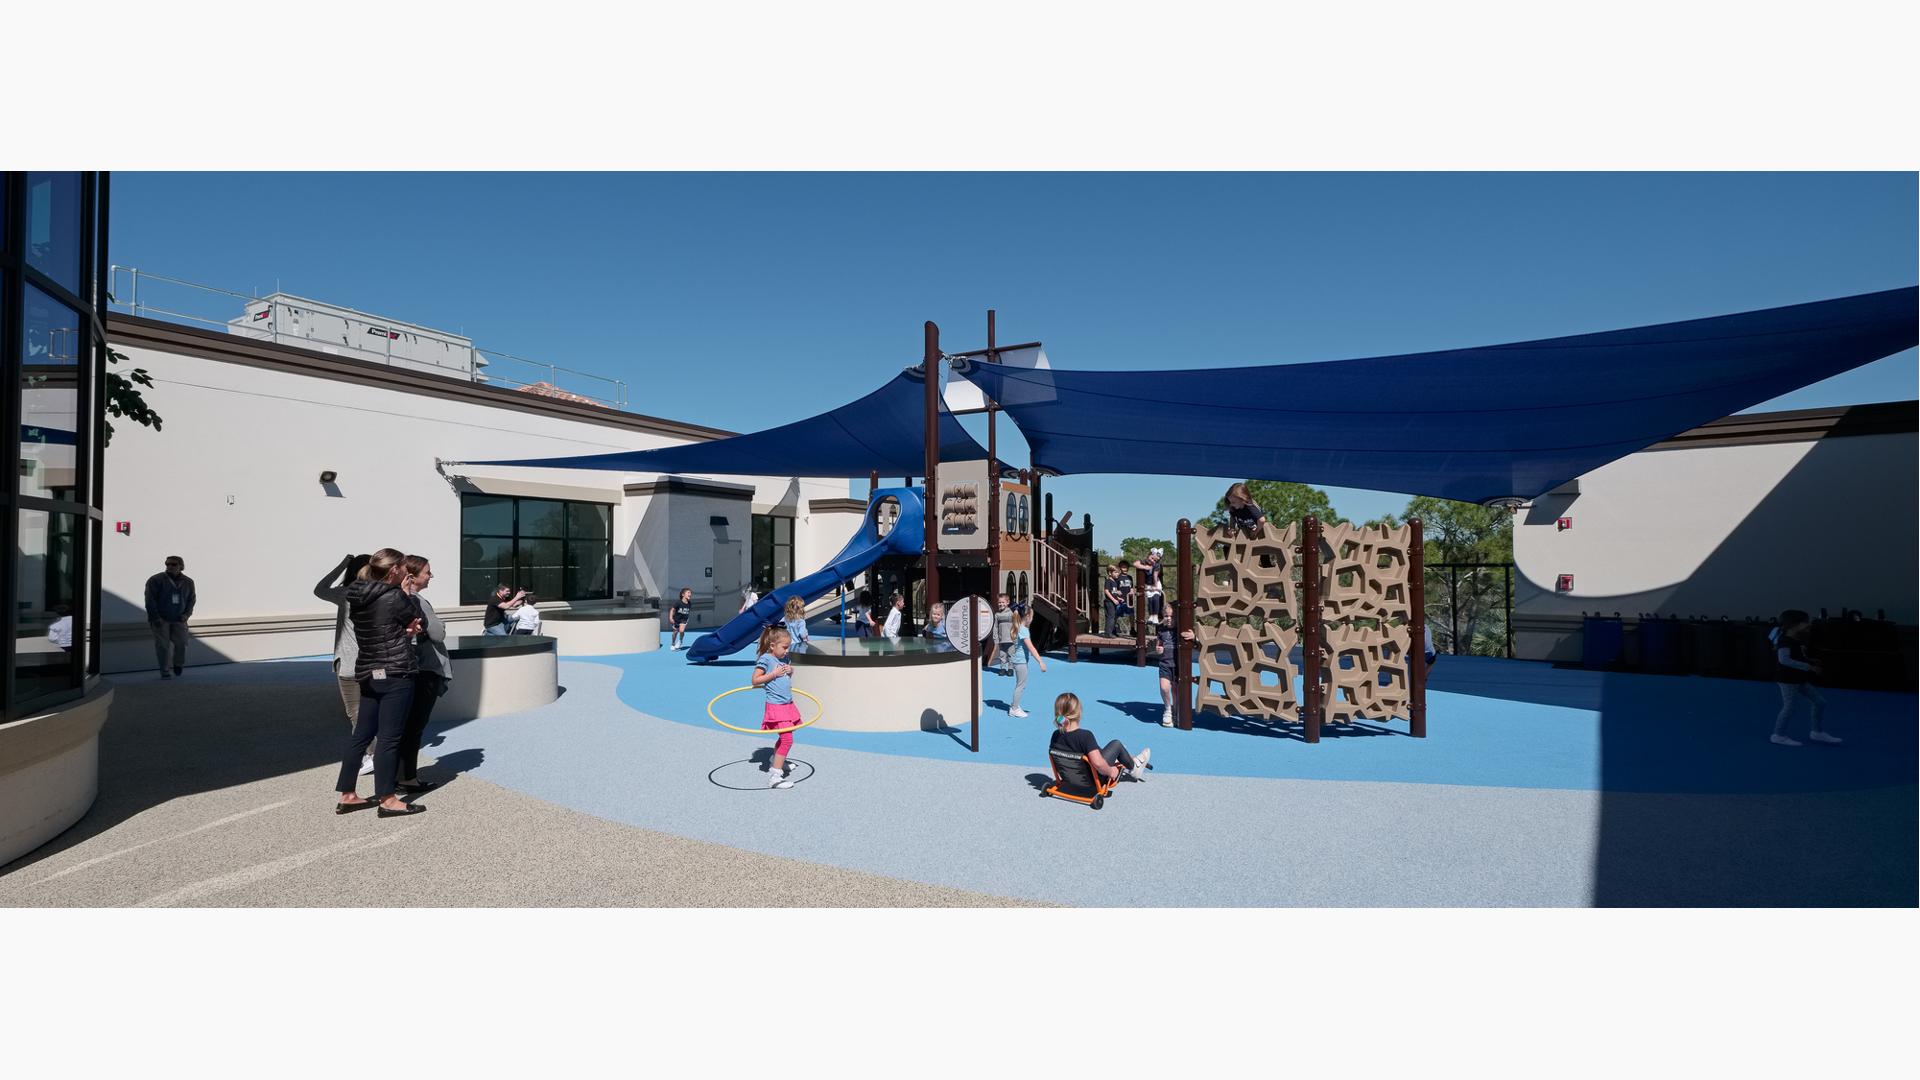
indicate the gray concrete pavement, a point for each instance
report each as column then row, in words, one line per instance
column 217, row 793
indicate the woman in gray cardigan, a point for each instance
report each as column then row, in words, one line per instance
column 436, row 671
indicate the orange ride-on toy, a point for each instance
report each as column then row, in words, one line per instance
column 1074, row 777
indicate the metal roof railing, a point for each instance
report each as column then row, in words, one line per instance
column 191, row 302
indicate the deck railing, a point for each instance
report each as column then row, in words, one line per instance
column 178, row 300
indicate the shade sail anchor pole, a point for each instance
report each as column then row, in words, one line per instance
column 932, row 514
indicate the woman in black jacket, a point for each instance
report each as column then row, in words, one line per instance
column 385, row 619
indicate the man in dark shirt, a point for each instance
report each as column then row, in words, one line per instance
column 496, row 623
column 170, row 600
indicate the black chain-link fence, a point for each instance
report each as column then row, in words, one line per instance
column 1470, row 608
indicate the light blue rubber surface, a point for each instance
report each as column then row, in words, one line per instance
column 1502, row 723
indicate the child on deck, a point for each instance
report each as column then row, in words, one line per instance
column 1243, row 514
column 773, row 674
column 679, row 615
column 1793, row 671
column 1022, row 649
column 796, row 624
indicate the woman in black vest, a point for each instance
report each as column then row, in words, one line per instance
column 385, row 620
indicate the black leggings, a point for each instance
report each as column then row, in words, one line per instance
column 427, row 691
column 385, row 705
column 1117, row 755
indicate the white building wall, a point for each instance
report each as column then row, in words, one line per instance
column 1733, row 530
column 231, row 484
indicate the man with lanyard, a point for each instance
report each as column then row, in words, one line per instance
column 169, row 605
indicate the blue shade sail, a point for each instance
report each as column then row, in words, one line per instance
column 1502, row 421
column 883, row 432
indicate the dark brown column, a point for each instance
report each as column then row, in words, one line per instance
column 933, row 464
column 1073, row 608
column 1417, row 631
column 1311, row 653
column 1183, row 678
column 993, row 477
column 1139, row 617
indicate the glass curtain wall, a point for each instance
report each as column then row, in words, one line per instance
column 53, row 239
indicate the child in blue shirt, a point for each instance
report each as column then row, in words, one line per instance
column 796, row 624
column 774, row 675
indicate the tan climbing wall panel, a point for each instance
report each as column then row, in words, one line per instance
column 1366, row 612
column 1246, row 622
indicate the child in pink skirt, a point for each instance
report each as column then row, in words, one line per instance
column 773, row 674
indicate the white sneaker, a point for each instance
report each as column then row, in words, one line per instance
column 779, row 780
column 1140, row 763
column 366, row 765
column 1821, row 736
column 1017, row 712
column 1166, row 717
column 1782, row 740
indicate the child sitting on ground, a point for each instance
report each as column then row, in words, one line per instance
column 773, row 674
column 796, row 624
column 1793, row 671
column 1109, row 760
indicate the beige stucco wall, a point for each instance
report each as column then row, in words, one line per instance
column 1733, row 530
column 231, row 483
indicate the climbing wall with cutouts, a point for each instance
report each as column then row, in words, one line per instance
column 1246, row 622
column 1366, row 614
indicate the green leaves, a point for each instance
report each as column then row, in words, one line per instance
column 124, row 400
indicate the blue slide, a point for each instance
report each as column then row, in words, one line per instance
column 906, row 537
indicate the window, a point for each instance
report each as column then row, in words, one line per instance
column 51, row 233
column 772, row 551
column 555, row 549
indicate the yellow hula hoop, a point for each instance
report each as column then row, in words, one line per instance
column 819, row 711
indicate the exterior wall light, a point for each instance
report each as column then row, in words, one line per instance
column 328, row 476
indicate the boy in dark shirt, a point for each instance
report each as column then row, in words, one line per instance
column 678, row 616
column 1792, row 670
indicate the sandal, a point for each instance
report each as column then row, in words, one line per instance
column 350, row 807
column 411, row 809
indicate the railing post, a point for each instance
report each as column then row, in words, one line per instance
column 1073, row 608
column 973, row 666
column 1183, row 677
column 1139, row 617
column 1417, row 633
column 1311, row 653
column 1507, row 573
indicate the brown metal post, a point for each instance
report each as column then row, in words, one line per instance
column 873, row 483
column 1417, row 632
column 993, row 477
column 1183, row 677
column 1139, row 617
column 933, row 463
column 1073, row 608
column 973, row 667
column 1311, row 653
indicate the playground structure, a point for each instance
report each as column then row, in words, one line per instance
column 1350, row 598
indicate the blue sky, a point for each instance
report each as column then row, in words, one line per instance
column 747, row 300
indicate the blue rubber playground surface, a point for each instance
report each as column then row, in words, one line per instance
column 1490, row 723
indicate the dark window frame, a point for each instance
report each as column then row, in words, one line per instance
column 566, row 540
column 83, row 503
